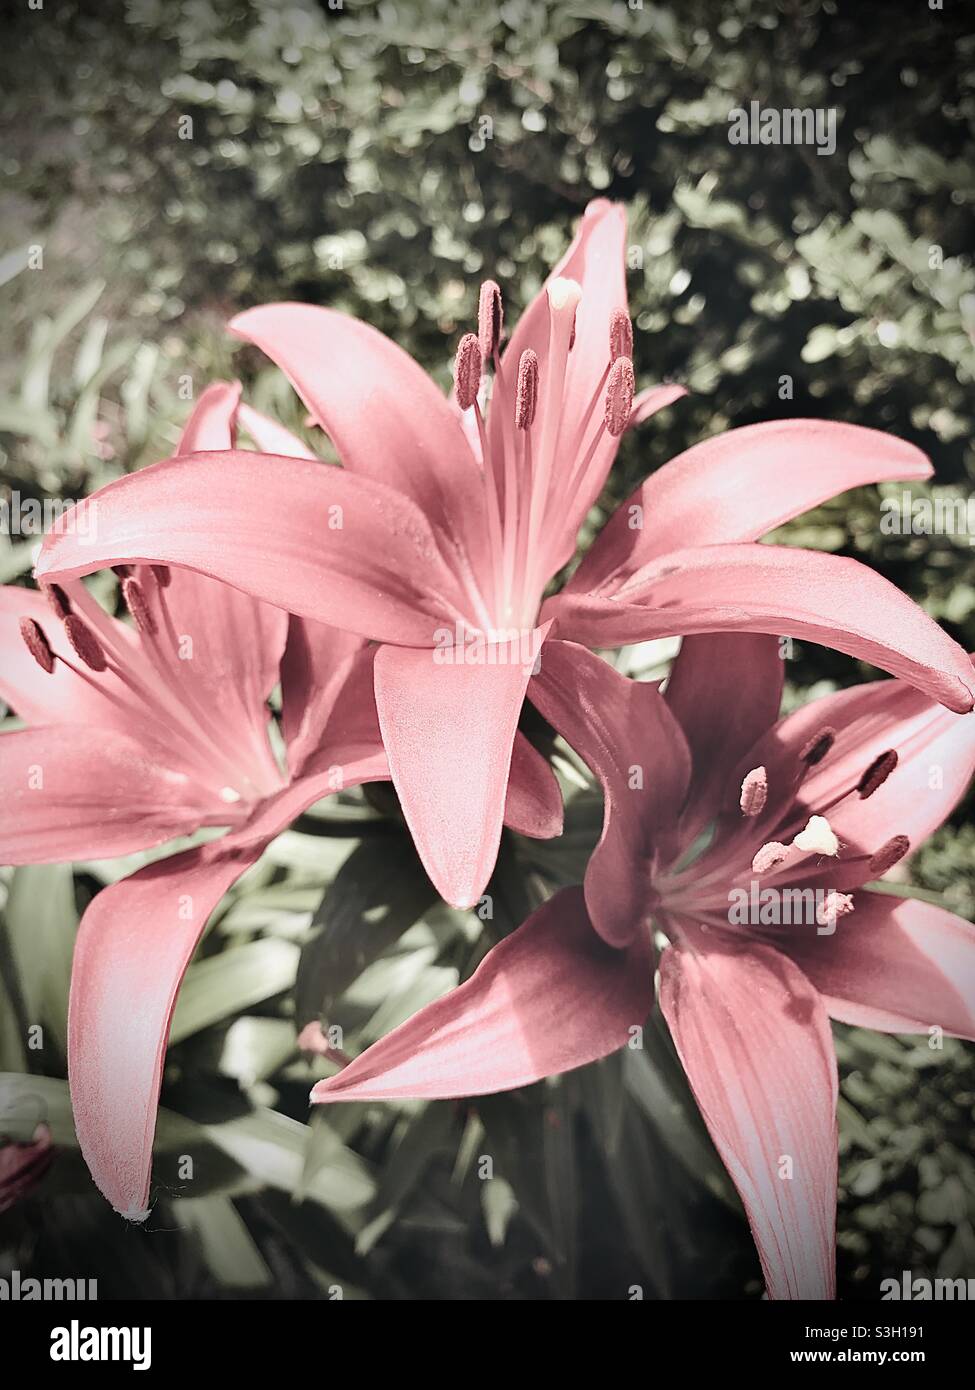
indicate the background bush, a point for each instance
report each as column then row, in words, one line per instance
column 176, row 162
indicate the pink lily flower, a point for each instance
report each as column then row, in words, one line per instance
column 712, row 825
column 139, row 733
column 441, row 532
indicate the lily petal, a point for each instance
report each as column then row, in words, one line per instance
column 385, row 416
column 72, row 794
column 754, row 479
column 936, row 761
column 533, row 805
column 359, row 555
column 899, row 965
column 549, row 997
column 755, row 1042
column 829, row 599
column 448, row 727
column 625, row 733
column 134, row 944
column 269, row 436
column 314, row 670
column 725, row 689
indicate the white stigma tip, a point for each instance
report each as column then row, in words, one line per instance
column 817, row 837
column 563, row 294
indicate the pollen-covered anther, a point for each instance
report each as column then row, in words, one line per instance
column 619, row 395
column 526, row 394
column 817, row 837
column 620, row 335
column 58, row 601
column 37, row 644
column 84, row 643
column 769, row 857
column 136, row 603
column 467, row 371
column 833, row 907
column 490, row 319
column 877, row 773
column 163, row 575
column 815, row 750
column 754, row 792
column 888, row 855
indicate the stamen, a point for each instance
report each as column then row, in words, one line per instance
column 526, row 395
column 37, row 644
column 877, row 773
column 619, row 395
column 490, row 319
column 135, row 602
column 467, row 371
column 754, row 792
column 123, row 571
column 817, row 837
column 58, row 600
column 620, row 335
column 769, row 857
column 833, row 906
column 85, row 644
column 888, row 855
column 163, row 575
column 818, row 746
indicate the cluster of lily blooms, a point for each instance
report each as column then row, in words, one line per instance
column 244, row 570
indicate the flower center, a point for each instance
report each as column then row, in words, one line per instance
column 141, row 672
column 532, row 471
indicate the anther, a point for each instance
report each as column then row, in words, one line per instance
column 163, row 575
column 620, row 335
column 490, row 318
column 817, row 837
column 833, row 907
column 58, row 600
column 888, row 855
column 769, row 857
column 818, row 746
column 754, row 792
column 877, row 773
column 37, row 644
column 84, row 642
column 123, row 571
column 467, row 371
column 526, row 395
column 619, row 395
column 135, row 602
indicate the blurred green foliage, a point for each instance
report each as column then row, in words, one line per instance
column 174, row 162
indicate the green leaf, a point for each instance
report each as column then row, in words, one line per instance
column 231, row 982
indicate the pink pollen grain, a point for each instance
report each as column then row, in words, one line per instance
column 818, row 746
column 136, row 603
column 490, row 318
column 888, row 855
column 467, row 371
column 85, row 644
column 619, row 395
column 754, row 792
column 620, row 335
column 37, row 644
column 526, row 395
column 877, row 773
